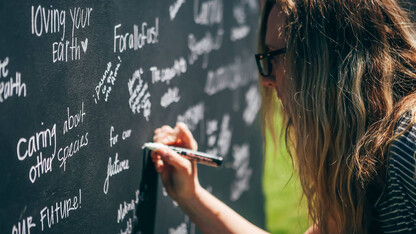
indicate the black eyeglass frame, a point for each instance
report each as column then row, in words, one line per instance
column 267, row 56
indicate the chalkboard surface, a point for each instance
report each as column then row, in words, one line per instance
column 83, row 84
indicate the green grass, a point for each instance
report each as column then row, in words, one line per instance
column 285, row 213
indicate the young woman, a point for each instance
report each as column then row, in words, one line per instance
column 345, row 77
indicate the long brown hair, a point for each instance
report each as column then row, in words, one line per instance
column 351, row 75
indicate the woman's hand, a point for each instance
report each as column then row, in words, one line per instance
column 179, row 175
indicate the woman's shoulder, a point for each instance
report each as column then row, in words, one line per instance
column 396, row 208
column 401, row 156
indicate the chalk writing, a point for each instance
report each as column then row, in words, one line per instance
column 36, row 143
column 59, row 211
column 60, row 50
column 72, row 121
column 114, row 169
column 209, row 13
column 253, row 100
column 252, row 4
column 204, row 46
column 71, row 149
column 136, row 40
column 3, row 67
column 171, row 96
column 43, row 166
column 193, row 116
column 51, row 21
column 126, row 207
column 11, row 87
column 165, row 194
column 241, row 155
column 47, row 21
column 224, row 138
column 106, row 83
column 80, row 17
column 238, row 33
column 231, row 76
column 174, row 8
column 70, row 33
column 126, row 134
column 84, row 45
column 24, row 226
column 181, row 229
column 223, row 143
column 139, row 94
column 129, row 227
column 212, row 127
column 114, row 138
column 47, row 140
column 239, row 14
column 167, row 74
column 241, row 31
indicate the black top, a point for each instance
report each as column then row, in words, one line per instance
column 396, row 208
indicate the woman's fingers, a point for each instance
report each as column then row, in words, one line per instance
column 164, row 135
column 157, row 160
column 163, row 131
column 180, row 135
column 174, row 159
column 182, row 132
column 164, row 128
column 164, row 138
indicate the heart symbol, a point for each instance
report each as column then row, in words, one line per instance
column 84, row 45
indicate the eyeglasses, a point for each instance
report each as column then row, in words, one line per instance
column 264, row 63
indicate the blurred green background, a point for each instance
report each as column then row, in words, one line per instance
column 285, row 212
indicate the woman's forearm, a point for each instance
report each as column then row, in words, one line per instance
column 213, row 216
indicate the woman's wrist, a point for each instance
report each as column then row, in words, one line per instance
column 192, row 197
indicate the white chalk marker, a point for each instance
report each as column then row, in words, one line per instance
column 199, row 157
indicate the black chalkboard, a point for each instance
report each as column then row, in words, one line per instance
column 83, row 84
